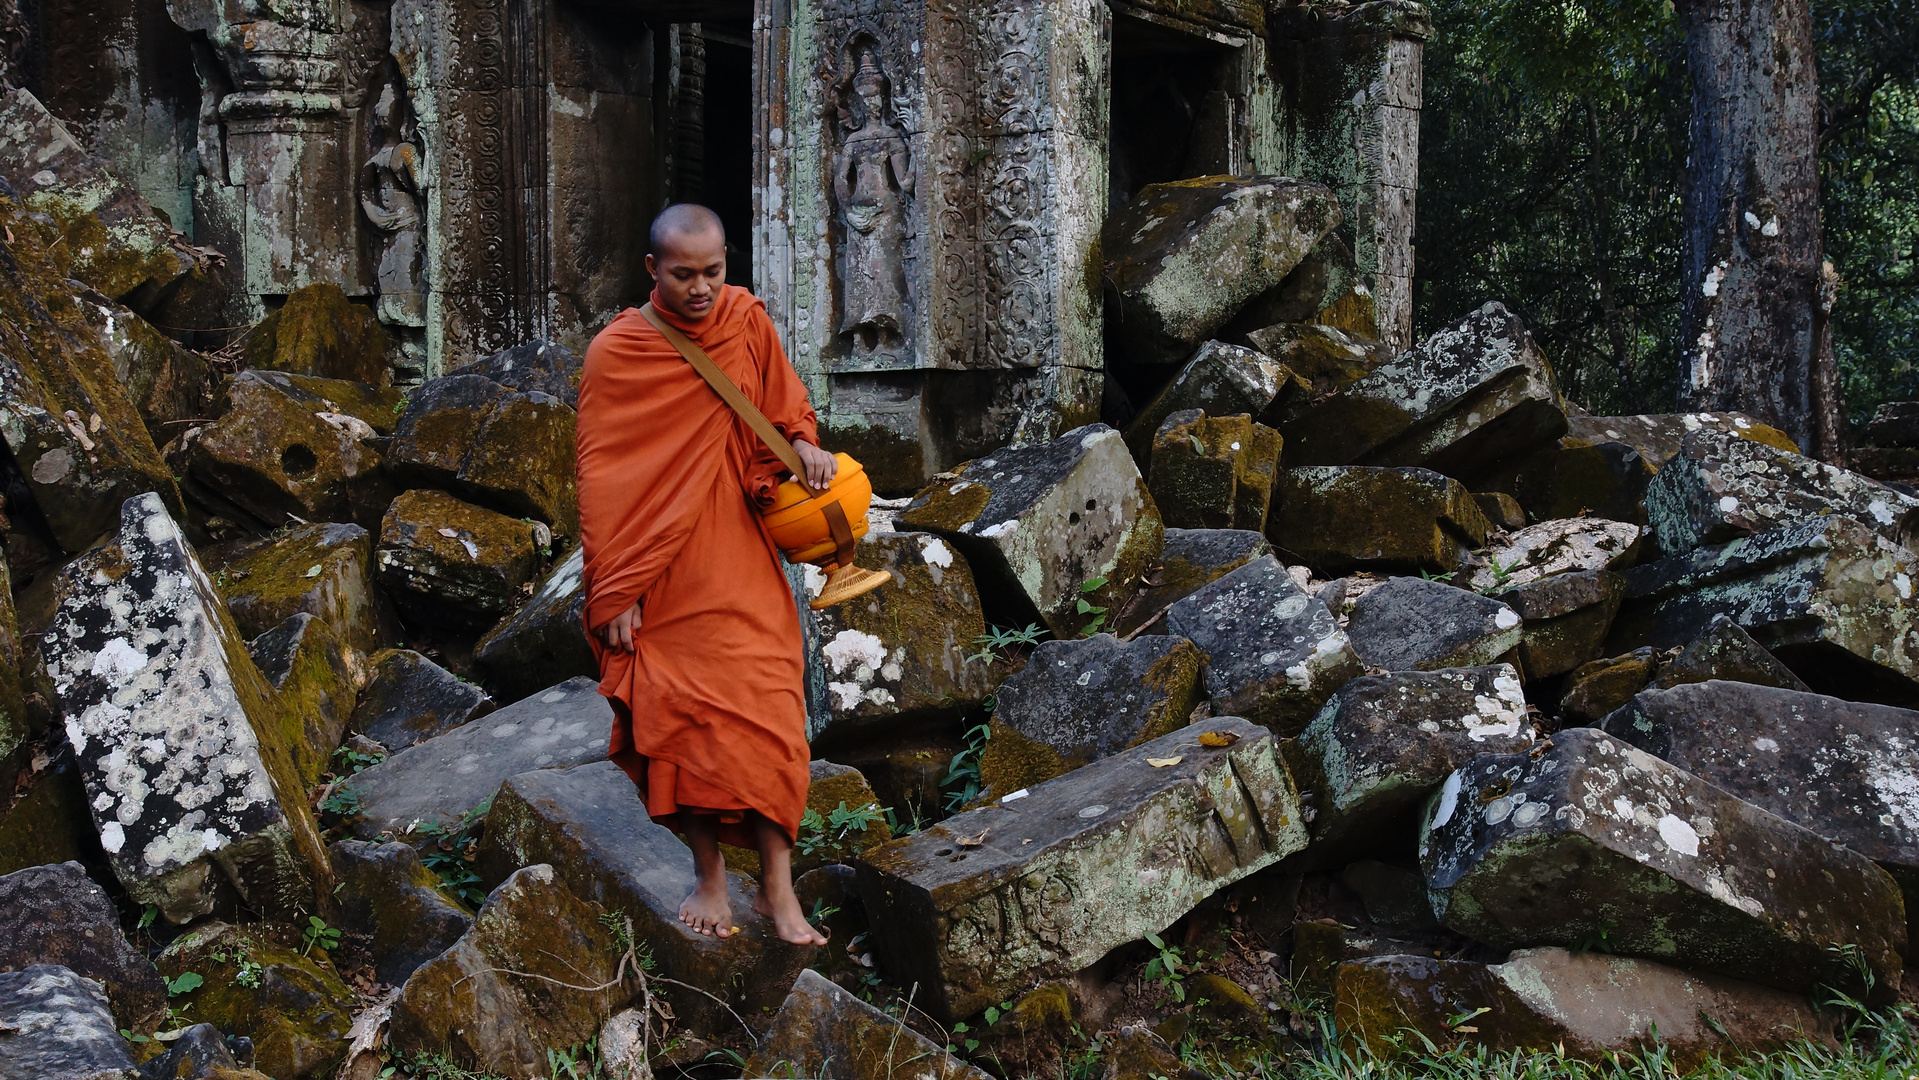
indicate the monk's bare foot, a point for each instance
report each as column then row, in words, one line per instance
column 788, row 920
column 705, row 910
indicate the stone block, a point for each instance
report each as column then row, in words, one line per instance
column 506, row 450
column 48, row 821
column 1600, row 686
column 409, row 699
column 1464, row 401
column 1564, row 619
column 1884, row 463
column 1394, row 896
column 1719, row 487
column 1183, row 258
column 590, row 825
column 1726, row 651
column 59, row 1028
column 200, row 1052
column 56, row 915
column 1588, row 1003
column 319, row 332
column 1190, row 559
column 545, row 638
column 1607, row 480
column 1657, row 436
column 544, row 366
column 991, row 901
column 1340, row 519
column 441, row 558
column 1219, row 380
column 292, row 1005
column 822, row 1030
column 314, row 687
column 1213, row 472
column 292, row 446
column 1273, row 653
column 444, row 778
column 169, row 384
column 1502, row 510
column 1322, row 360
column 1078, row 701
column 1385, row 742
column 1591, row 836
column 1829, row 597
column 189, row 763
column 320, row 569
column 1556, row 547
column 387, row 894
column 1894, row 423
column 1039, row 523
column 1411, row 624
column 897, row 655
column 1322, row 946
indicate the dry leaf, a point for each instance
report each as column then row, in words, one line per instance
column 1163, row 762
column 1218, row 738
column 448, row 533
column 972, row 841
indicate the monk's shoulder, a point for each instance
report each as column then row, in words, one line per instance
column 621, row 341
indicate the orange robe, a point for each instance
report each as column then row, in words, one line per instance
column 709, row 708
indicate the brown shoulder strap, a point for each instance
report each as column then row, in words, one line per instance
column 730, row 393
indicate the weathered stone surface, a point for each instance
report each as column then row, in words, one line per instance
column 314, row 687
column 1077, row 701
column 200, row 1053
column 546, row 637
column 898, row 653
column 1190, row 559
column 294, row 446
column 1718, row 487
column 409, row 699
column 58, row 1028
column 1321, row 946
column 1502, row 510
column 387, row 894
column 1385, row 742
column 441, row 557
column 1273, row 653
column 320, row 569
column 442, row 779
column 1726, row 651
column 56, row 915
column 1657, row 436
column 1555, row 547
column 1038, row 523
column 1592, row 836
column 170, row 385
column 1183, row 258
column 1322, row 359
column 1599, row 687
column 1340, row 519
column 1829, row 597
column 1589, row 1003
column 591, row 826
column 1139, row 1053
column 1607, row 480
column 545, row 366
column 1118, row 849
column 1565, row 618
column 319, row 332
column 1213, row 472
column 294, row 1007
column 1463, row 401
column 1894, row 423
column 189, row 763
column 821, row 1030
column 1888, row 463
column 1411, row 624
column 47, row 822
column 1219, row 380
column 506, row 450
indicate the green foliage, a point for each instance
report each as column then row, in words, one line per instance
column 1168, row 968
column 184, row 983
column 318, row 933
column 962, row 781
column 1087, row 607
column 998, row 640
column 247, row 972
column 347, row 760
column 450, row 855
column 344, row 801
column 841, row 833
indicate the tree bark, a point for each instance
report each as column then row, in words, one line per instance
column 1753, row 250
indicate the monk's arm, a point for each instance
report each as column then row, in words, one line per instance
column 783, row 400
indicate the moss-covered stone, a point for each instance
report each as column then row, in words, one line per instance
column 498, row 447
column 439, row 556
column 822, row 1030
column 1213, row 472
column 1599, row 687
column 1502, row 510
column 1411, row 624
column 321, row 333
column 47, row 822
column 1557, row 547
column 1322, row 360
column 409, row 699
column 1219, row 380
column 320, row 569
column 314, row 687
column 56, row 915
column 1657, row 435
column 1341, row 519
column 169, row 384
column 1725, row 651
column 295, row 1008
column 833, row 788
column 387, row 894
column 1574, row 477
column 1190, row 559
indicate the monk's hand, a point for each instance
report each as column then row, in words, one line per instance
column 821, row 466
column 619, row 633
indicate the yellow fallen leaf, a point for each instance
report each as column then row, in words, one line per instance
column 972, row 841
column 1163, row 762
column 1218, row 738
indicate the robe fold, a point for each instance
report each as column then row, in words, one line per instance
column 709, row 708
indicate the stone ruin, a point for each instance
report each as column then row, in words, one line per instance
column 1247, row 663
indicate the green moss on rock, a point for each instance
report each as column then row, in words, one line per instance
column 295, row 1008
column 318, row 331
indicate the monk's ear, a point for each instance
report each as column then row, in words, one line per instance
column 652, row 269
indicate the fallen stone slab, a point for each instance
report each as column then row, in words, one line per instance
column 1039, row 523
column 1411, row 624
column 443, row 779
column 1386, row 742
column 897, row 655
column 1218, row 380
column 1574, row 477
column 991, row 901
column 409, row 699
column 1321, row 359
column 58, row 1027
column 1719, row 487
column 503, row 449
column 1726, row 651
column 1464, row 401
column 1829, row 597
column 1886, row 463
column 1598, row 687
column 1558, row 547
column 168, row 383
column 293, row 1006
column 1657, row 436
column 1502, row 511
column 56, row 915
column 821, row 1030
column 1077, row 701
column 386, row 893
column 318, row 331
column 320, row 569
column 189, row 763
column 1273, row 653
column 1183, row 258
column 1565, row 619
column 313, row 684
column 1213, row 472
column 1588, row 1003
column 1339, row 519
column 545, row 366
column 545, row 638
column 1190, row 559
column 201, row 1053
column 1588, row 838
column 590, row 825
column 441, row 558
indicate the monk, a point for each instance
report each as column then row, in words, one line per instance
column 687, row 606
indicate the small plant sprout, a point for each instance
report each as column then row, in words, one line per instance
column 1087, row 607
column 319, row 933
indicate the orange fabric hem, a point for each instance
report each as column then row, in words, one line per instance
column 671, row 791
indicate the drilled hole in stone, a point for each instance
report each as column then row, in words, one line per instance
column 298, row 462
column 943, row 852
column 1073, row 518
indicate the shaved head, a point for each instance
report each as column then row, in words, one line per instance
column 683, row 220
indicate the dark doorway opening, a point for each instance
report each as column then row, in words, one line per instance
column 727, row 183
column 1174, row 113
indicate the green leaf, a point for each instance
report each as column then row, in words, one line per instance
column 1093, row 585
column 185, row 983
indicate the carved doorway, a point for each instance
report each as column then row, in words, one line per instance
column 727, row 133
column 1177, row 111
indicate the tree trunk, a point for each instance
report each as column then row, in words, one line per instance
column 1752, row 243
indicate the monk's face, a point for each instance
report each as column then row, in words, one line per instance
column 691, row 268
